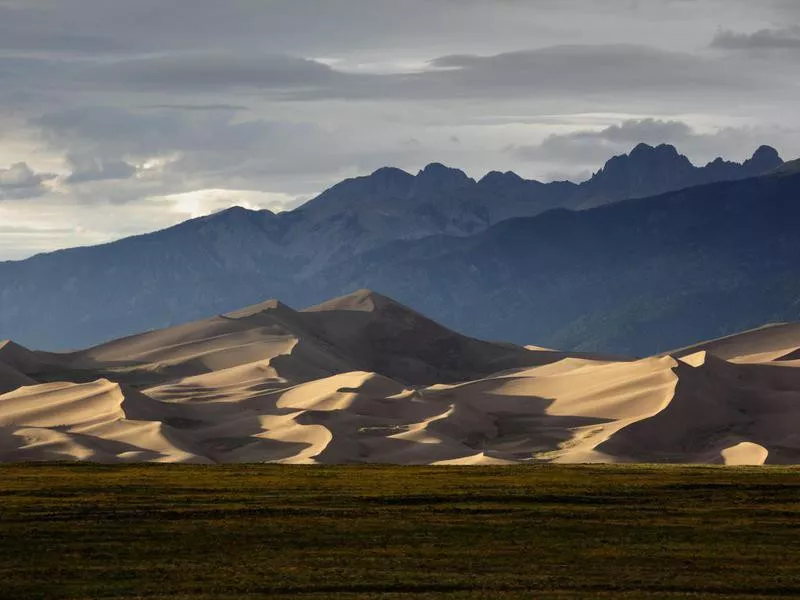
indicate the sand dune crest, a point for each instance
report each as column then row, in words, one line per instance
column 363, row 378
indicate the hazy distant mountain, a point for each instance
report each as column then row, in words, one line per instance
column 366, row 212
column 634, row 277
column 788, row 168
column 648, row 171
column 210, row 265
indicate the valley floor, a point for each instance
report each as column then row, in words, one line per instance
column 88, row 531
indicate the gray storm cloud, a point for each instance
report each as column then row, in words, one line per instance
column 787, row 38
column 20, row 181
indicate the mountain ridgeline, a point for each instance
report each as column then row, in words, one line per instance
column 650, row 253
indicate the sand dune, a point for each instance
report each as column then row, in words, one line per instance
column 365, row 379
column 96, row 421
column 769, row 343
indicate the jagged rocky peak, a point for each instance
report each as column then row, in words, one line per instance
column 499, row 178
column 386, row 182
column 643, row 160
column 765, row 158
column 391, row 175
column 718, row 161
column 646, row 170
column 437, row 177
column 662, row 152
column 388, row 178
column 642, row 149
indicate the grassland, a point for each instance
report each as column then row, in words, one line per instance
column 152, row 531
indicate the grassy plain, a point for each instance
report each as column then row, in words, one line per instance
column 540, row 531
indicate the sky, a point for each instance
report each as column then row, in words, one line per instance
column 120, row 117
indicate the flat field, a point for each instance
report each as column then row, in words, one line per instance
column 162, row 531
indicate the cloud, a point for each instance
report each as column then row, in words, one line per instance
column 20, row 181
column 787, row 38
column 22, row 31
column 211, row 70
column 223, row 107
column 647, row 130
column 163, row 151
column 575, row 74
column 85, row 169
column 183, row 144
column 575, row 77
column 117, row 131
column 603, row 69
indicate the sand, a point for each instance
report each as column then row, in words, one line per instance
column 776, row 342
column 364, row 379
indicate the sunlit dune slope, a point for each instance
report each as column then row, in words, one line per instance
column 364, row 379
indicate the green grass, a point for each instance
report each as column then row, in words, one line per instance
column 157, row 531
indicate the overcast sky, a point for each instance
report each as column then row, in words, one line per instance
column 119, row 117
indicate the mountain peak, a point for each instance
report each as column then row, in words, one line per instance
column 646, row 157
column 646, row 170
column 641, row 149
column 386, row 182
column 662, row 150
column 391, row 174
column 765, row 158
column 236, row 210
column 500, row 178
column 765, row 151
column 437, row 178
column 436, row 169
column 236, row 214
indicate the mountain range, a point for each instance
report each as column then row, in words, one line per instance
column 364, row 379
column 651, row 252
